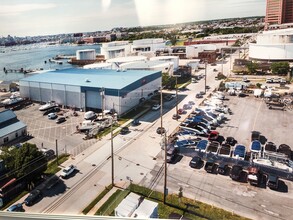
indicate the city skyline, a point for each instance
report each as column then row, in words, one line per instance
column 31, row 18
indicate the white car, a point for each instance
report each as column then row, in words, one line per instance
column 67, row 171
column 52, row 115
column 156, row 107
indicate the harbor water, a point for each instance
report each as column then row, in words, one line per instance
column 35, row 57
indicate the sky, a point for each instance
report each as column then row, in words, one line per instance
column 44, row 17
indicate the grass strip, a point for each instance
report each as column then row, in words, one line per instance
column 108, row 207
column 184, row 206
column 53, row 167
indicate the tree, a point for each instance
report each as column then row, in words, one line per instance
column 280, row 68
column 25, row 162
column 252, row 67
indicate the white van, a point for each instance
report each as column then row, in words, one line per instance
column 90, row 115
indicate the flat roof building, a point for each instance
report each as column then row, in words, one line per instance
column 92, row 89
column 10, row 127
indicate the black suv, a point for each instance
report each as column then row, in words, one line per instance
column 223, row 168
column 210, row 166
column 196, row 162
column 273, row 182
column 124, row 130
column 236, row 171
column 33, row 197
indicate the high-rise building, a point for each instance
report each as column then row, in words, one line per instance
column 279, row 12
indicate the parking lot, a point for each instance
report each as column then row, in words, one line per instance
column 252, row 114
column 44, row 131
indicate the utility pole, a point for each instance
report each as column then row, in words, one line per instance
column 205, row 78
column 161, row 109
column 56, row 152
column 112, row 152
column 165, row 168
column 222, row 60
column 102, row 100
column 176, row 100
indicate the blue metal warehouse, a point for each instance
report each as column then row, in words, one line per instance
column 84, row 88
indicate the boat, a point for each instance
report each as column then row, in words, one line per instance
column 274, row 164
column 255, row 146
column 48, row 105
column 239, row 152
column 11, row 101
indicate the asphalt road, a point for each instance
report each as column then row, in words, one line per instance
column 138, row 158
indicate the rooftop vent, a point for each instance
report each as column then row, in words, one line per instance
column 87, row 80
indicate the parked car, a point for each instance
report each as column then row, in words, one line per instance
column 161, row 130
column 210, row 166
column 273, row 181
column 235, row 173
column 124, row 130
column 213, row 136
column 33, row 197
column 171, row 155
column 223, row 168
column 67, row 171
column 198, row 96
column 180, row 111
column 156, row 107
column 60, row 120
column 176, row 116
column 135, row 122
column 196, row 162
column 52, row 115
column 254, row 176
column 187, row 106
column 231, row 141
column 16, row 208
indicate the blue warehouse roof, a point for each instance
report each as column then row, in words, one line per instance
column 96, row 78
column 6, row 115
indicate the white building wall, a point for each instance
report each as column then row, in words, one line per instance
column 13, row 135
column 115, row 49
column 173, row 59
column 133, row 97
column 148, row 44
column 86, row 54
column 271, row 52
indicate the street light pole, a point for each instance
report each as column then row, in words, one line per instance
column 205, row 78
column 176, row 100
column 112, row 153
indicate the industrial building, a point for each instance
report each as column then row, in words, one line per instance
column 92, row 89
column 273, row 45
column 10, row 127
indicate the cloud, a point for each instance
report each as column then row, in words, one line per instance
column 12, row 10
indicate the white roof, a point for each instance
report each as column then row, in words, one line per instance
column 145, row 209
column 127, row 206
column 164, row 58
column 98, row 66
column 126, row 59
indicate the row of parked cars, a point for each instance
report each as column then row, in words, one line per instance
column 253, row 175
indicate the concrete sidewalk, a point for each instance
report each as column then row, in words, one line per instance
column 102, row 201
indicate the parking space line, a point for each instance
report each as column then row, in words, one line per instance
column 256, row 115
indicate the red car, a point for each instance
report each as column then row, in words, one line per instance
column 213, row 136
column 180, row 111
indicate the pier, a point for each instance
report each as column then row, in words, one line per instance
column 20, row 70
